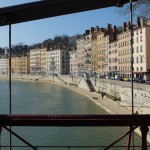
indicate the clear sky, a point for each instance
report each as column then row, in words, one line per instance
column 39, row 30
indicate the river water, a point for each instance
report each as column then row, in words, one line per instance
column 46, row 98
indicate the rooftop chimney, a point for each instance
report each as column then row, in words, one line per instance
column 97, row 28
column 143, row 21
column 129, row 25
column 124, row 27
column 87, row 32
column 138, row 23
column 92, row 30
column 109, row 28
column 114, row 33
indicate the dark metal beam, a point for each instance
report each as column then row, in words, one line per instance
column 75, row 120
column 50, row 8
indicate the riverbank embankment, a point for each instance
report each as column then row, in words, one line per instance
column 110, row 106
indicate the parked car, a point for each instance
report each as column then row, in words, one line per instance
column 84, row 75
column 107, row 77
column 139, row 80
column 98, row 76
column 112, row 78
column 117, row 77
column 126, row 79
column 131, row 79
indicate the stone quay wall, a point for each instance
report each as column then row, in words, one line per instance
column 118, row 90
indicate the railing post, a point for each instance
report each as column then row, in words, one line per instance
column 144, row 130
column 0, row 136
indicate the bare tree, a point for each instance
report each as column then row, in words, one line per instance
column 140, row 8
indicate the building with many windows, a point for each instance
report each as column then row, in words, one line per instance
column 55, row 62
column 24, row 65
column 35, row 61
column 43, row 60
column 99, row 51
column 80, row 55
column 101, row 47
column 141, row 36
column 3, row 62
column 73, row 63
column 94, row 53
column 124, row 51
column 88, row 51
column 113, row 56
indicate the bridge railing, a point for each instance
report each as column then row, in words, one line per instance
column 133, row 121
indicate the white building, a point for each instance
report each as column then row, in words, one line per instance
column 141, row 51
column 3, row 62
column 55, row 62
column 35, row 61
column 80, row 55
column 73, row 63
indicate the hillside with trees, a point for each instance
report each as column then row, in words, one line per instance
column 59, row 42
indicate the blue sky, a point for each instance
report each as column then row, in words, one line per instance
column 39, row 30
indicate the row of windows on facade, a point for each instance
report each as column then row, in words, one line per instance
column 56, row 61
column 49, row 70
column 103, row 38
column 52, row 53
column 51, row 56
column 119, row 38
column 127, row 51
column 113, row 51
column 128, row 69
column 139, row 59
column 102, row 45
column 112, row 45
column 128, row 35
column 125, row 69
column 126, row 43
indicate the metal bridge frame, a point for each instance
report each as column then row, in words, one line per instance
column 50, row 8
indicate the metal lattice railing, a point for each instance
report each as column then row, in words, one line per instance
column 133, row 121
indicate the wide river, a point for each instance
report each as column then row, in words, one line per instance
column 46, row 98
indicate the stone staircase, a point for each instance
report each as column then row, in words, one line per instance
column 91, row 87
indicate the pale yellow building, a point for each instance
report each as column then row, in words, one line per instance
column 24, row 64
column 43, row 60
column 19, row 65
column 124, row 51
column 14, row 65
column 94, row 54
column 102, row 47
column 80, row 55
